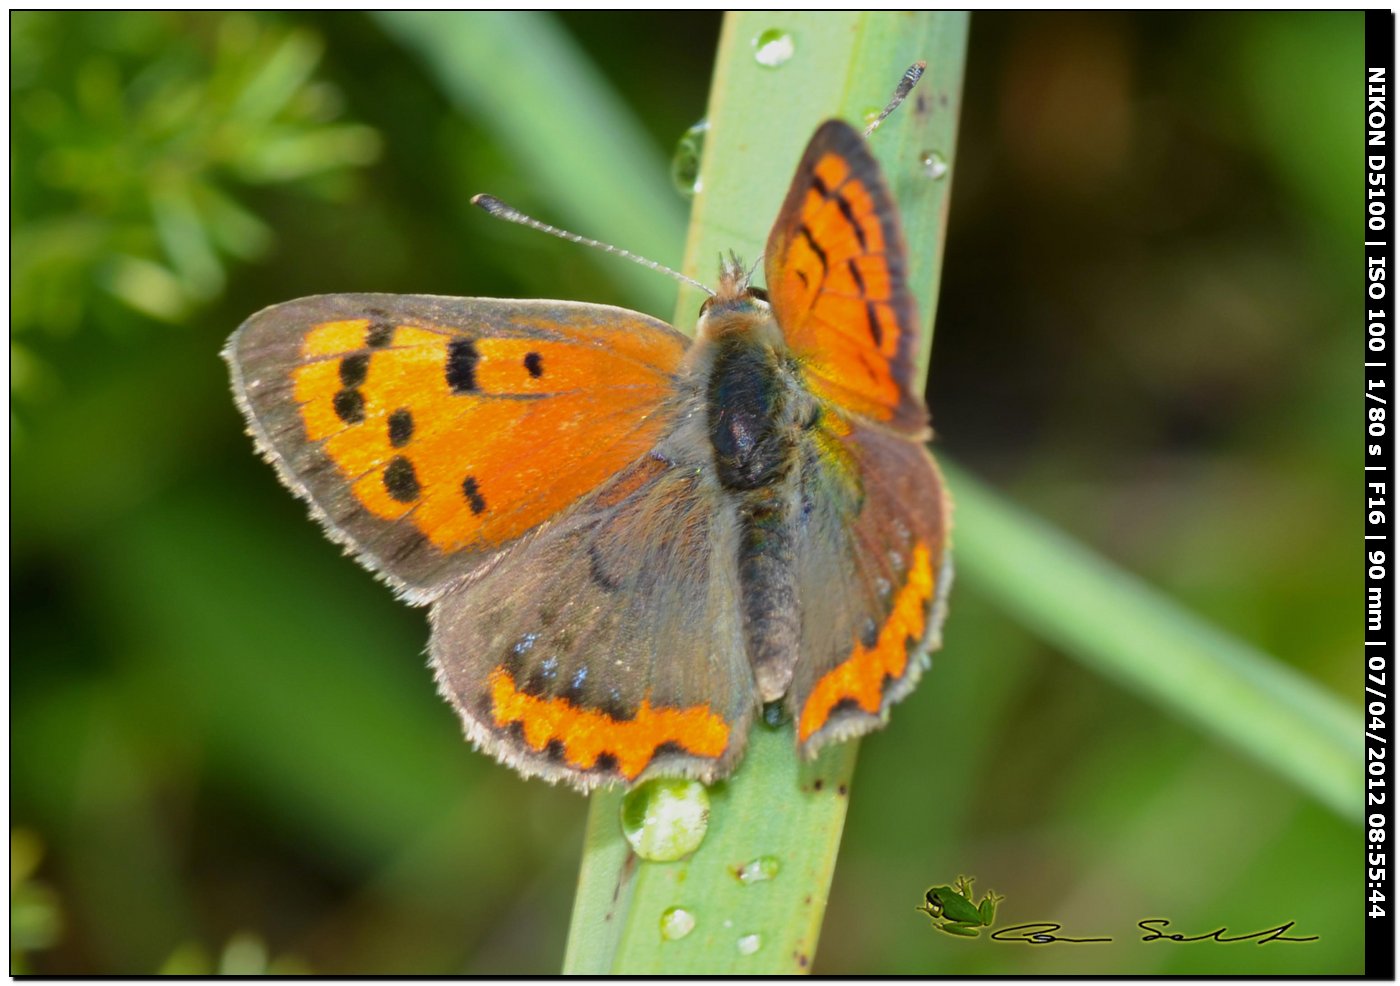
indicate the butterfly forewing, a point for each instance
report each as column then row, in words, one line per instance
column 427, row 432
column 836, row 278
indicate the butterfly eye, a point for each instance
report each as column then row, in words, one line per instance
column 705, row 305
column 760, row 293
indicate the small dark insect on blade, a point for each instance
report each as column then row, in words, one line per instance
column 906, row 85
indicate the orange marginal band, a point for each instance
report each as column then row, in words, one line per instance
column 587, row 734
column 861, row 676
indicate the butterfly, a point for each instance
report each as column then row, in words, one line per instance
column 631, row 543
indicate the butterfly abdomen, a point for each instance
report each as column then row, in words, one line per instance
column 768, row 574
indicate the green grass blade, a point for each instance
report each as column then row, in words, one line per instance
column 1118, row 626
column 585, row 155
column 760, row 120
column 791, row 815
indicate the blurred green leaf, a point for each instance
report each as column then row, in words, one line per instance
column 591, row 168
column 1122, row 628
column 35, row 917
column 126, row 156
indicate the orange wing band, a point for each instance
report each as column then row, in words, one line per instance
column 587, row 734
column 861, row 677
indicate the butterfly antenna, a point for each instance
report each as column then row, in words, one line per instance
column 756, row 265
column 906, row 85
column 500, row 210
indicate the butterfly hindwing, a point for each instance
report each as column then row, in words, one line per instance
column 430, row 432
column 607, row 645
column 835, row 266
column 873, row 556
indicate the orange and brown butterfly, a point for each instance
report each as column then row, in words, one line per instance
column 632, row 542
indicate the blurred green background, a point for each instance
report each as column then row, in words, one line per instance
column 226, row 750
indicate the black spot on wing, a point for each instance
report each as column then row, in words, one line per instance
column 462, row 358
column 869, row 634
column 534, row 364
column 354, row 369
column 614, row 708
column 379, row 334
column 349, row 406
column 472, row 492
column 401, row 481
column 400, row 427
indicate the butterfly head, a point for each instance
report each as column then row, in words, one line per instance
column 736, row 305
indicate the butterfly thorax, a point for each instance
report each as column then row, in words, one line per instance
column 756, row 403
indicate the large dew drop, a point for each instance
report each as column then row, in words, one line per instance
column 773, row 47
column 749, row 944
column 666, row 819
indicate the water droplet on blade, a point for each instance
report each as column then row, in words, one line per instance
column 758, row 870
column 666, row 819
column 933, row 164
column 749, row 944
column 685, row 162
column 676, row 923
column 773, row 47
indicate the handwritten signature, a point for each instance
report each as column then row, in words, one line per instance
column 1044, row 933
